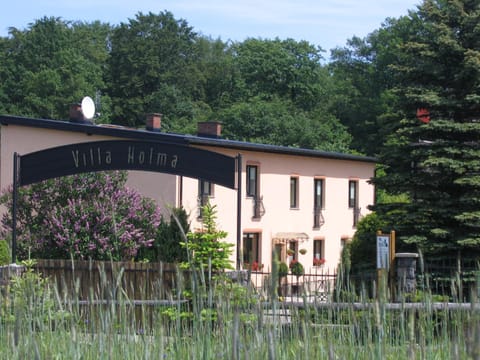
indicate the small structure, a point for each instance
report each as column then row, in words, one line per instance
column 406, row 264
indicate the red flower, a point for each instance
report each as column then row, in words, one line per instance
column 318, row 262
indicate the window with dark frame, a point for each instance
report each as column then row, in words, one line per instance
column 353, row 200
column 293, row 249
column 318, row 202
column 318, row 193
column 252, row 180
column 293, row 192
column 318, row 252
column 205, row 191
column 251, row 251
column 353, row 194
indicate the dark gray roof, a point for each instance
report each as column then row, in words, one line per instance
column 140, row 134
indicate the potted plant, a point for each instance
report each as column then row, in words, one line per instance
column 257, row 266
column 318, row 262
column 303, row 251
column 297, row 268
column 290, row 252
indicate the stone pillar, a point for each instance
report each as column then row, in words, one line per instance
column 406, row 265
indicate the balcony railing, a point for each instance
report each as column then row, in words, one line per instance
column 356, row 215
column 258, row 208
column 318, row 219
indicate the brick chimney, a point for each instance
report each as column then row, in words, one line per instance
column 210, row 129
column 154, row 122
column 75, row 114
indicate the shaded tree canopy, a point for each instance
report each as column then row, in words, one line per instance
column 437, row 163
column 50, row 65
column 157, row 63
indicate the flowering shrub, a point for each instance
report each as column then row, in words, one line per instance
column 82, row 216
column 318, row 262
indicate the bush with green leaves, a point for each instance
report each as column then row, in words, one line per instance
column 297, row 268
column 31, row 300
column 282, row 269
column 4, row 253
column 92, row 215
column 204, row 245
column 170, row 234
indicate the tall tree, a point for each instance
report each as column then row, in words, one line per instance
column 152, row 68
column 286, row 68
column 279, row 122
column 50, row 65
column 436, row 157
column 362, row 71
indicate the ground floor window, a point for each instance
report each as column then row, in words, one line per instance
column 251, row 251
column 318, row 252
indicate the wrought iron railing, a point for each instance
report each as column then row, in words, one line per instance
column 318, row 219
column 258, row 207
column 356, row 215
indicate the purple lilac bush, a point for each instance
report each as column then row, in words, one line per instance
column 83, row 216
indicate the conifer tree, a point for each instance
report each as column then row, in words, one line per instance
column 434, row 156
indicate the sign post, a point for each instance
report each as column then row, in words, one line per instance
column 385, row 256
column 383, row 251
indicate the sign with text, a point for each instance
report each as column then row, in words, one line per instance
column 127, row 155
column 383, row 251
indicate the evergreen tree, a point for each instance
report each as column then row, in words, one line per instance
column 434, row 156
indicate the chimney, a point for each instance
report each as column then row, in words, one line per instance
column 76, row 115
column 154, row 122
column 210, row 129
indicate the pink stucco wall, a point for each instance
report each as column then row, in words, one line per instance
column 275, row 171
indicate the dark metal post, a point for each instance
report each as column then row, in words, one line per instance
column 239, row 209
column 16, row 159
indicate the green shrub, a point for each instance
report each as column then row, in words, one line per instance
column 4, row 253
column 282, row 269
column 297, row 268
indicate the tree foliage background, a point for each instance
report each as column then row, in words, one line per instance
column 283, row 91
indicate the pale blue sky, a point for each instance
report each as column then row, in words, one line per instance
column 326, row 23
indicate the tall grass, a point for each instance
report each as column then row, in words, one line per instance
column 224, row 320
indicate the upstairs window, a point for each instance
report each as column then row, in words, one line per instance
column 318, row 203
column 318, row 196
column 252, row 180
column 353, row 200
column 353, row 194
column 294, row 192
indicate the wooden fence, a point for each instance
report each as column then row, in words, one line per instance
column 87, row 280
column 103, row 280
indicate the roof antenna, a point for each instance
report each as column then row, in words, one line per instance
column 98, row 103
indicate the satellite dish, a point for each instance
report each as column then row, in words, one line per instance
column 88, row 108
